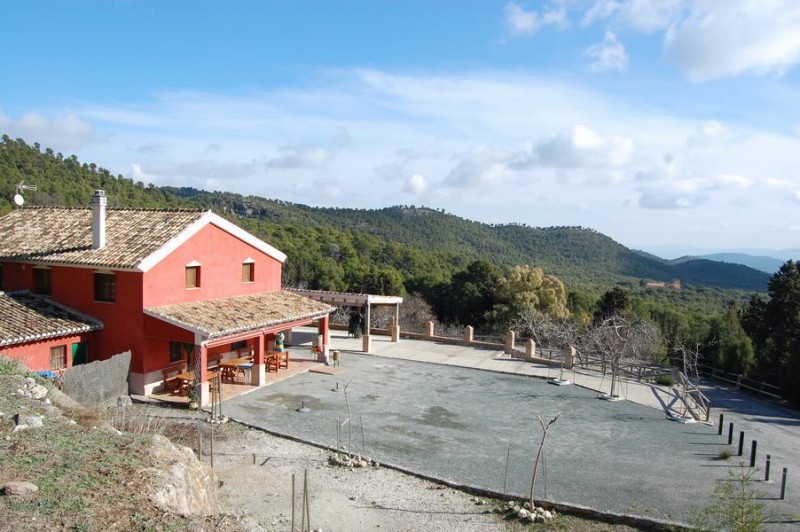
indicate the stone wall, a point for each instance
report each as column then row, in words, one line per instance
column 98, row 384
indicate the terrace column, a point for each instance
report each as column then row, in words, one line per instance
column 324, row 329
column 366, row 343
column 258, row 377
column 201, row 373
column 395, row 332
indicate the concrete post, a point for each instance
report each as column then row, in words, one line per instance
column 510, row 340
column 366, row 343
column 569, row 357
column 469, row 334
column 530, row 348
column 429, row 329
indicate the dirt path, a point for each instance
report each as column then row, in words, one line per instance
column 256, row 472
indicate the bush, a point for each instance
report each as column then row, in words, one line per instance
column 724, row 454
column 665, row 380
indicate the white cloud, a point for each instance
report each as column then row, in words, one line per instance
column 582, row 147
column 480, row 165
column 707, row 133
column 152, row 148
column 726, row 180
column 321, row 189
column 300, row 156
column 522, row 22
column 309, row 156
column 720, row 39
column 648, row 15
column 60, row 132
column 607, row 55
column 711, row 39
column 415, row 185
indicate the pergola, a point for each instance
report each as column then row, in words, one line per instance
column 364, row 302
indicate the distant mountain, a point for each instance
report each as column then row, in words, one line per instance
column 338, row 246
column 769, row 265
column 670, row 251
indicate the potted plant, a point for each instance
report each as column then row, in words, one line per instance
column 194, row 398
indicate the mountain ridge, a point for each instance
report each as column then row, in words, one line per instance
column 412, row 240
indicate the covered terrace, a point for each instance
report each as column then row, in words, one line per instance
column 209, row 334
column 363, row 303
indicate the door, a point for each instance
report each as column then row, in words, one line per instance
column 79, row 351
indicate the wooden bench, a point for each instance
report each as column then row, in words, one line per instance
column 212, row 361
column 170, row 373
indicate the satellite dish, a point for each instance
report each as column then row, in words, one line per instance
column 19, row 200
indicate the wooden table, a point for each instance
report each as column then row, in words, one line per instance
column 187, row 379
column 231, row 367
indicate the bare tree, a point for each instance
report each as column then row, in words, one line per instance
column 540, row 452
column 543, row 328
column 619, row 339
column 415, row 312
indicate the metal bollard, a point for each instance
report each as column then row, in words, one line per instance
column 783, row 483
column 730, row 433
column 721, row 420
column 741, row 442
column 766, row 469
column 753, row 446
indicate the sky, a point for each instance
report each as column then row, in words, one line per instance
column 669, row 125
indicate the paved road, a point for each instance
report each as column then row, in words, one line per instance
column 459, row 424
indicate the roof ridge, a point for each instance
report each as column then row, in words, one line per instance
column 46, row 207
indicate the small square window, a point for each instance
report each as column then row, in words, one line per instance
column 193, row 277
column 58, row 357
column 248, row 272
column 105, row 287
column 41, row 282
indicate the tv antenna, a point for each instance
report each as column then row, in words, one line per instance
column 19, row 201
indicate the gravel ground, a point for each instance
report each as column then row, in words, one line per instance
column 256, row 473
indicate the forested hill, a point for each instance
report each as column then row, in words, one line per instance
column 577, row 255
column 413, row 240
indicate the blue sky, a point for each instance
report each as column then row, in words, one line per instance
column 665, row 124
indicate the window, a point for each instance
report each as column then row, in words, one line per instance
column 105, row 287
column 235, row 346
column 58, row 357
column 179, row 351
column 41, row 282
column 248, row 272
column 193, row 277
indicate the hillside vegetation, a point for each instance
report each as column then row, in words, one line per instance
column 401, row 247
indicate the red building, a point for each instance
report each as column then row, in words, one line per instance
column 173, row 287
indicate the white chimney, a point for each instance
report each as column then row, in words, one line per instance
column 99, row 219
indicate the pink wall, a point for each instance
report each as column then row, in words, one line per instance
column 221, row 256
column 36, row 355
column 125, row 327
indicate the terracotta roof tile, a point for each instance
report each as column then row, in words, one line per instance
column 29, row 317
column 64, row 236
column 231, row 315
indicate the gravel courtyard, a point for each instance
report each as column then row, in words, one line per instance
column 460, row 424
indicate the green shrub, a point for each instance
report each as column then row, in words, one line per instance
column 724, row 454
column 665, row 380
